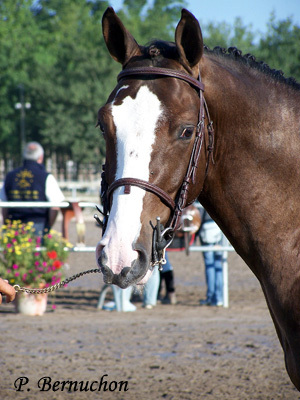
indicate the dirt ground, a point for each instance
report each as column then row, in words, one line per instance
column 179, row 352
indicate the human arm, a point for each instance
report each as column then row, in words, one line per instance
column 53, row 212
column 3, row 197
column 53, row 194
column 8, row 290
column 4, row 214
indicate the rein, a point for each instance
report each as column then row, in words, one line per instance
column 163, row 238
column 49, row 289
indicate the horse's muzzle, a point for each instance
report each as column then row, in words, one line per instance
column 128, row 275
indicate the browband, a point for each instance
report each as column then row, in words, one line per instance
column 164, row 72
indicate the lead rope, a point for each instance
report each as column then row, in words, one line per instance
column 49, row 289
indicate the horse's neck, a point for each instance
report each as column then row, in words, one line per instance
column 253, row 188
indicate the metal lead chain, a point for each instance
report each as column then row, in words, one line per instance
column 57, row 285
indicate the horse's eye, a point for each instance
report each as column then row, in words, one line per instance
column 100, row 126
column 187, row 132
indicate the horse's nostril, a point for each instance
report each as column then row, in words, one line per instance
column 125, row 271
column 102, row 260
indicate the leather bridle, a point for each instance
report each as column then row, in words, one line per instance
column 163, row 238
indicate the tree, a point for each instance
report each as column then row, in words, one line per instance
column 17, row 45
column 56, row 51
column 226, row 35
column 151, row 20
column 280, row 46
column 67, row 100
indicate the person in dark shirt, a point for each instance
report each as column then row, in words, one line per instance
column 31, row 182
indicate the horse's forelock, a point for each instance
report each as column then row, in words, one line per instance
column 160, row 48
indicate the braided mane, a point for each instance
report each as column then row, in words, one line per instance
column 235, row 54
column 158, row 49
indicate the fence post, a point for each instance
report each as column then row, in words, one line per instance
column 225, row 242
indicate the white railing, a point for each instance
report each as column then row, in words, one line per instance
column 27, row 204
column 46, row 204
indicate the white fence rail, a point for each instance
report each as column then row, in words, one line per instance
column 46, row 204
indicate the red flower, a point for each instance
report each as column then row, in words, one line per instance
column 57, row 264
column 52, row 254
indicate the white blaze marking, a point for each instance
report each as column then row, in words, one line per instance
column 135, row 121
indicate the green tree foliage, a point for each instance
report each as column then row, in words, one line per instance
column 56, row 51
column 155, row 20
column 17, row 44
column 226, row 35
column 280, row 48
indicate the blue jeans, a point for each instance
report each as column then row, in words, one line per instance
column 151, row 288
column 167, row 266
column 214, row 275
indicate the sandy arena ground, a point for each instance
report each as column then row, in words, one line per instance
column 180, row 352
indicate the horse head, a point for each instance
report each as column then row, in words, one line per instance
column 153, row 125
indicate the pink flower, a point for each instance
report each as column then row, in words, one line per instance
column 36, row 263
column 30, row 271
column 15, row 266
column 8, row 271
column 14, row 240
column 29, row 240
column 53, row 306
column 36, row 254
column 38, row 240
column 8, row 245
column 16, row 233
column 24, row 277
column 17, row 274
column 44, row 263
column 49, row 236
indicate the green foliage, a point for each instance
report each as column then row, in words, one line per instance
column 280, row 47
column 156, row 20
column 226, row 35
column 56, row 51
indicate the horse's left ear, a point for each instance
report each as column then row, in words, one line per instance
column 188, row 39
column 120, row 43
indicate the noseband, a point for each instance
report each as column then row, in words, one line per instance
column 163, row 238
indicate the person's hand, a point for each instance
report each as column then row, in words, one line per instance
column 8, row 290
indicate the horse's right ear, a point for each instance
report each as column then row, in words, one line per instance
column 188, row 39
column 120, row 43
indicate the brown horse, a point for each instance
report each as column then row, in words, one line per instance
column 161, row 157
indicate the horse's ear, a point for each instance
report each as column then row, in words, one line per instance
column 120, row 43
column 188, row 38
